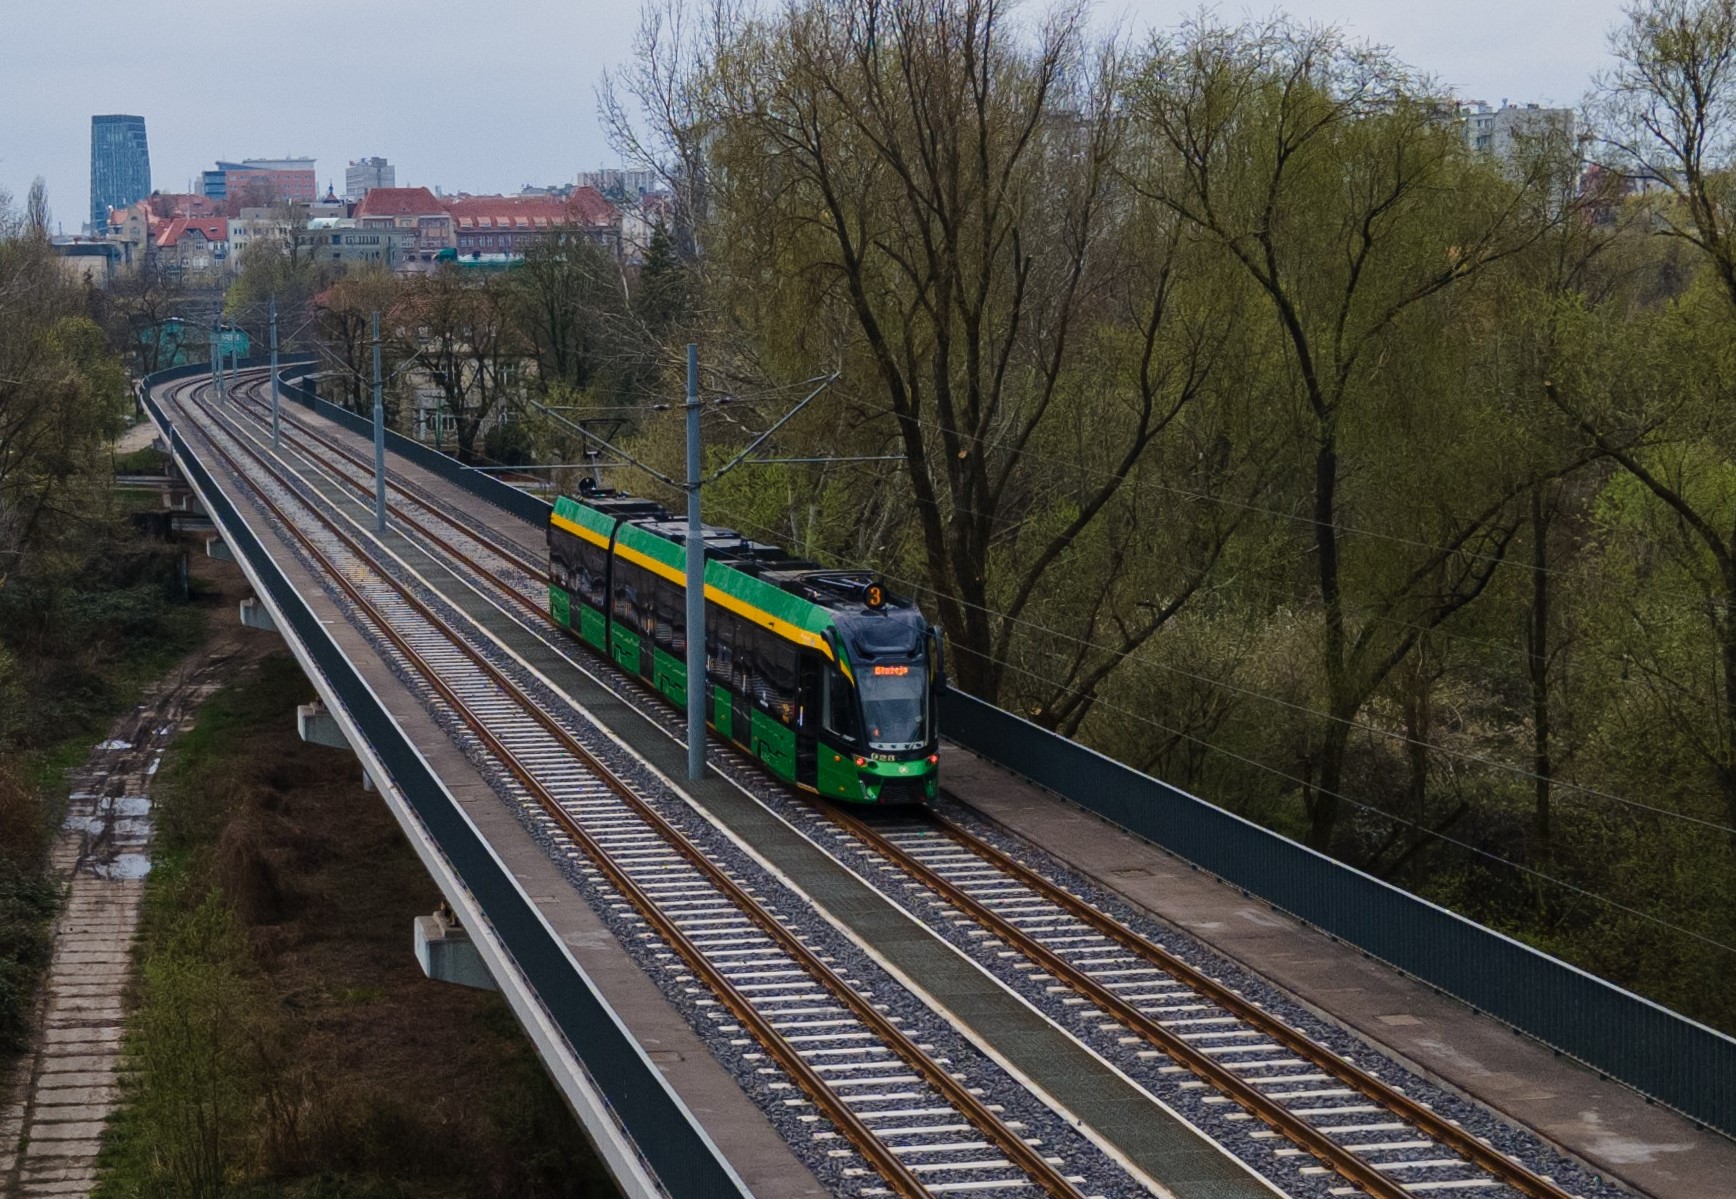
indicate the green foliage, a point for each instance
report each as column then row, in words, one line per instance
column 532, row 1123
column 28, row 902
column 146, row 461
column 567, row 299
column 85, row 606
column 1257, row 432
column 508, row 444
column 271, row 269
column 197, row 1046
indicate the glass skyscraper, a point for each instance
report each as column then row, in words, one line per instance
column 120, row 166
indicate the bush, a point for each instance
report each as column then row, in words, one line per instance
column 201, row 1050
column 27, row 904
column 508, row 445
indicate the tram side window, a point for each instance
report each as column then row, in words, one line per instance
column 664, row 610
column 678, row 619
column 779, row 676
column 720, row 645
column 560, row 559
column 592, row 571
column 748, row 668
column 741, row 667
column 671, row 615
column 808, row 698
column 838, row 705
column 630, row 596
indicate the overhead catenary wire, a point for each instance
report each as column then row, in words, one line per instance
column 1390, row 734
column 1506, row 649
column 1519, row 653
column 985, row 443
column 1435, row 834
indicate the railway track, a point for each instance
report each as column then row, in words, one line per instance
column 918, row 1123
column 1368, row 1132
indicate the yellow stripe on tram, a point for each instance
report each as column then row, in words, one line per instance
column 722, row 599
column 578, row 530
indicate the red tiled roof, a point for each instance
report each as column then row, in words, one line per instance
column 589, row 202
column 172, row 231
column 585, row 208
column 398, row 201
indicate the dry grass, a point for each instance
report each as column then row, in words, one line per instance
column 370, row 1079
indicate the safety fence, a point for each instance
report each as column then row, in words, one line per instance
column 676, row 1149
column 1660, row 1053
column 1664, row 1055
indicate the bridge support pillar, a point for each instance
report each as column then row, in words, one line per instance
column 215, row 547
column 445, row 953
column 314, row 721
column 318, row 726
column 255, row 616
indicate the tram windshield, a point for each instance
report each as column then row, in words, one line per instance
column 895, row 703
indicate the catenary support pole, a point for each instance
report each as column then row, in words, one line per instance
column 379, row 438
column 276, row 437
column 696, row 682
column 216, row 362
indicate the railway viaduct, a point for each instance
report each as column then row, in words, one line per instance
column 1073, row 980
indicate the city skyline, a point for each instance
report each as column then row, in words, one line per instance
column 437, row 109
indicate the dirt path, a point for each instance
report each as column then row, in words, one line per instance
column 136, row 438
column 51, row 1125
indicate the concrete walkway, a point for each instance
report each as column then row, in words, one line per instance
column 1648, row 1148
column 51, row 1124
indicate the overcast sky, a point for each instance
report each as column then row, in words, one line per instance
column 488, row 95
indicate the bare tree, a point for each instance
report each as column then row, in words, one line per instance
column 459, row 329
column 1669, row 119
column 653, row 108
column 1325, row 171
column 344, row 314
column 37, row 218
column 933, row 186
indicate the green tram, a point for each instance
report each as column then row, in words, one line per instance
column 823, row 675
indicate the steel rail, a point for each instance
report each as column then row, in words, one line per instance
column 1027, row 1158
column 406, row 489
column 365, row 491
column 1250, row 1098
column 1298, row 1131
column 897, row 1175
column 1273, row 1114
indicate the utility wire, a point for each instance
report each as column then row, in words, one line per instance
column 1517, row 653
column 1447, row 751
column 1362, row 806
column 1366, row 807
column 987, row 444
